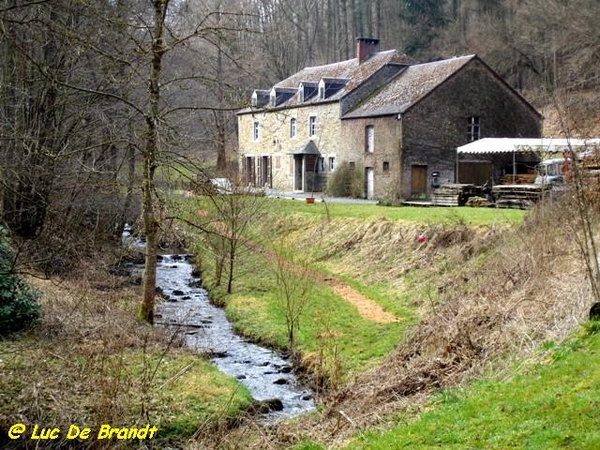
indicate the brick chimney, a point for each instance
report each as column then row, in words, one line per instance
column 365, row 48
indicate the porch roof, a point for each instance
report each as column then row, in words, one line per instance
column 310, row 148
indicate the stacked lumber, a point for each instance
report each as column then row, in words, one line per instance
column 454, row 194
column 520, row 178
column 520, row 196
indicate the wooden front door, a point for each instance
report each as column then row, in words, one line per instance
column 249, row 171
column 264, row 172
column 418, row 181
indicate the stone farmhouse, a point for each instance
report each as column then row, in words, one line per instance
column 397, row 121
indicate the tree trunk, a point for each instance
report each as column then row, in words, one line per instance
column 150, row 157
column 219, row 115
column 232, row 246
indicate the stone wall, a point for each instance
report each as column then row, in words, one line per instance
column 386, row 149
column 275, row 141
column 436, row 125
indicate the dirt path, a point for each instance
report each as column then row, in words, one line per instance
column 366, row 307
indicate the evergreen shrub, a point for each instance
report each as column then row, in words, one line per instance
column 19, row 307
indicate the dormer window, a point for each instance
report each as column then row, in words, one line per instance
column 280, row 95
column 259, row 98
column 322, row 90
column 330, row 86
column 306, row 90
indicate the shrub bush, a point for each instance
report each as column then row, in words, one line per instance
column 19, row 308
column 346, row 181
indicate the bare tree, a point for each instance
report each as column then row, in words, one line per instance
column 57, row 146
column 230, row 211
column 294, row 285
column 151, row 155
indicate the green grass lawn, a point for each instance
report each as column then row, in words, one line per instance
column 329, row 327
column 434, row 215
column 551, row 405
column 429, row 215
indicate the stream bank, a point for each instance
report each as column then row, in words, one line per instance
column 204, row 328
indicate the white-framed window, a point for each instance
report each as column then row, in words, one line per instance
column 293, row 127
column 473, row 128
column 369, row 139
column 255, row 130
column 312, row 126
column 321, row 91
column 331, row 163
column 321, row 167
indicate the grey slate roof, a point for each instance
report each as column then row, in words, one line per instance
column 310, row 148
column 404, row 90
column 349, row 70
column 410, row 86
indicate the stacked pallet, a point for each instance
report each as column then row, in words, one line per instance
column 520, row 196
column 454, row 194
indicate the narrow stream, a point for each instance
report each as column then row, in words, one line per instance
column 205, row 328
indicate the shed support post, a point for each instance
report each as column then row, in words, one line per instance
column 457, row 166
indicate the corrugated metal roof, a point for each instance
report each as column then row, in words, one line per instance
column 523, row 145
column 409, row 87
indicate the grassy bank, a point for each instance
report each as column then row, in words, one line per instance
column 483, row 289
column 333, row 338
column 550, row 404
column 368, row 248
column 90, row 362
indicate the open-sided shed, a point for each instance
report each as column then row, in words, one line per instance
column 511, row 160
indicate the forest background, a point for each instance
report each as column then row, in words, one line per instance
column 78, row 111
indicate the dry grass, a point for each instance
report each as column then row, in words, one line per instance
column 78, row 366
column 531, row 289
column 91, row 362
column 490, row 296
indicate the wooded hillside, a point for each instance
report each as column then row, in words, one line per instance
column 81, row 97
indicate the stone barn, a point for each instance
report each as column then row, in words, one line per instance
column 396, row 121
